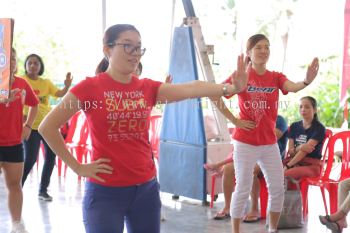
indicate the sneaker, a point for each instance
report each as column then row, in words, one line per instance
column 18, row 227
column 162, row 216
column 45, row 197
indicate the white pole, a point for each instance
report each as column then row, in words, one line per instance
column 103, row 16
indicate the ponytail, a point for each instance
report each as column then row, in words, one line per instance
column 102, row 66
column 315, row 117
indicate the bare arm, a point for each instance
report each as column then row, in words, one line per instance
column 291, row 147
column 302, row 151
column 27, row 126
column 220, row 104
column 311, row 74
column 243, row 124
column 176, row 92
column 67, row 84
column 49, row 129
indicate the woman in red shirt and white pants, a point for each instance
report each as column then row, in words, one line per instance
column 254, row 138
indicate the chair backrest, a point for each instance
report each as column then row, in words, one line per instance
column 78, row 130
column 328, row 135
column 325, row 152
column 344, row 137
column 154, row 131
column 72, row 125
column 345, row 167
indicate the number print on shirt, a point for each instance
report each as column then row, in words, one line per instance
column 127, row 113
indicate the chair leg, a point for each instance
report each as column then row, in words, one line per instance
column 333, row 198
column 304, row 186
column 263, row 197
column 324, row 200
column 59, row 166
column 212, row 194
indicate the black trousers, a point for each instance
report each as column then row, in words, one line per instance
column 31, row 151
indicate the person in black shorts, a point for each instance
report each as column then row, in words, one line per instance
column 12, row 131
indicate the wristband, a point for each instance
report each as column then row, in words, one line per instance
column 225, row 90
column 28, row 126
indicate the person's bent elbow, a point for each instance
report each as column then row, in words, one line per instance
column 42, row 129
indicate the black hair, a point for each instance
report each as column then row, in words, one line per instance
column 42, row 67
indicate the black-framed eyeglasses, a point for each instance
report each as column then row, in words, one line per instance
column 130, row 49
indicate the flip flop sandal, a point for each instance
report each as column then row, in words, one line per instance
column 222, row 216
column 334, row 226
column 326, row 217
column 251, row 219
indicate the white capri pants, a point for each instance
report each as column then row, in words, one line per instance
column 245, row 156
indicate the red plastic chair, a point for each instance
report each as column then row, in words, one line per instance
column 263, row 197
column 213, row 180
column 303, row 186
column 77, row 139
column 69, row 137
column 214, row 176
column 212, row 193
column 264, row 191
column 325, row 181
column 154, row 133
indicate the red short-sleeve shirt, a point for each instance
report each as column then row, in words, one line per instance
column 119, row 116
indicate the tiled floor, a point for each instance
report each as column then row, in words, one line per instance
column 182, row 216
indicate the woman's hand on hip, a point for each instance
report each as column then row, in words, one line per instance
column 244, row 124
column 94, row 168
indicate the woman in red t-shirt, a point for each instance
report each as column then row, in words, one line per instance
column 121, row 183
column 254, row 138
column 12, row 132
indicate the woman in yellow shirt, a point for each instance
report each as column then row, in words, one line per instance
column 43, row 88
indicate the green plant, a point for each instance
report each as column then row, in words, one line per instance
column 326, row 92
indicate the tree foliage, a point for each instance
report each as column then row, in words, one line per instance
column 330, row 112
column 47, row 45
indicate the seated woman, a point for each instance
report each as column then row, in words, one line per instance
column 305, row 142
column 337, row 221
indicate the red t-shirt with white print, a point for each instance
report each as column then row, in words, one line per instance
column 118, row 116
column 259, row 103
column 11, row 123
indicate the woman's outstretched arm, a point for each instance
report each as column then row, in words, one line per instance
column 311, row 74
column 176, row 92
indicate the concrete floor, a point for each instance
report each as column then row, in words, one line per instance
column 182, row 216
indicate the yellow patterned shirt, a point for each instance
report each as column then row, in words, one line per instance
column 43, row 88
